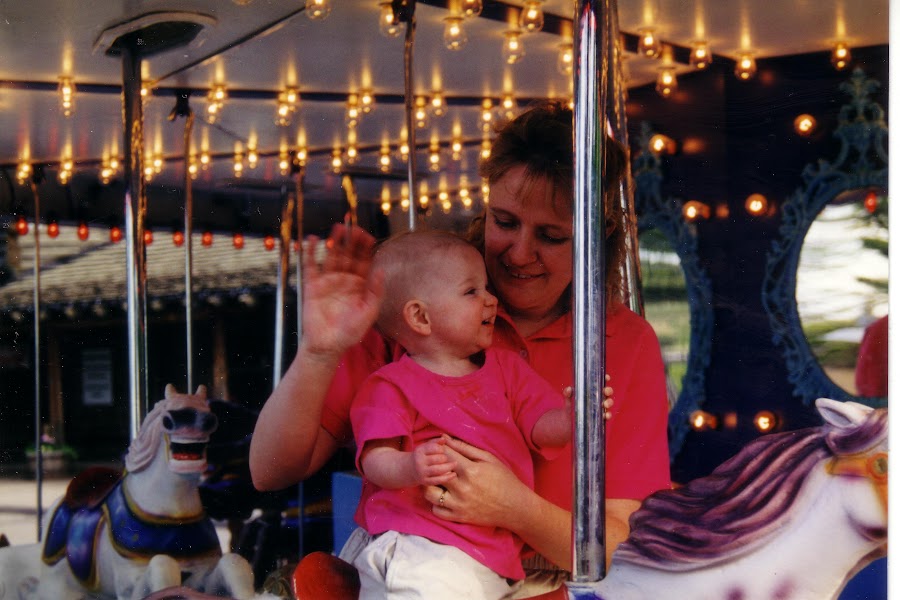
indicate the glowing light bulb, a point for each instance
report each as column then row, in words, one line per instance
column 366, row 101
column 666, row 82
column 756, row 204
column 178, row 238
column 388, row 23
column 318, row 10
column 454, row 34
column 438, row 104
column 700, row 56
column 804, row 124
column 648, row 43
column 83, row 232
column 531, row 17
column 745, row 67
column 470, row 8
column 66, row 96
column 565, row 58
column 237, row 240
column 840, row 56
column 513, row 48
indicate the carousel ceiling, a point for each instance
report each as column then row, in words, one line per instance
column 261, row 49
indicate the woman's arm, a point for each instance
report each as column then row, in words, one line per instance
column 340, row 302
column 486, row 492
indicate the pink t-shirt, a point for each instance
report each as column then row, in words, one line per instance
column 494, row 408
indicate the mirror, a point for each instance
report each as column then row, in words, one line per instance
column 677, row 301
column 821, row 349
column 842, row 289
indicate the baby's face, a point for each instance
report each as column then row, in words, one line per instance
column 460, row 306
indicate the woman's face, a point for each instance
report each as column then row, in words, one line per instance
column 528, row 245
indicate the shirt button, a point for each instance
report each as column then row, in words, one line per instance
column 523, row 353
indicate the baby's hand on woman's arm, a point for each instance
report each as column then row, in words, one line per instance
column 432, row 465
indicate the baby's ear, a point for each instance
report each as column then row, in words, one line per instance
column 415, row 314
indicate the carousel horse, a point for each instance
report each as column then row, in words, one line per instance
column 793, row 516
column 127, row 535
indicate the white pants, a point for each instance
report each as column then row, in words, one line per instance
column 396, row 566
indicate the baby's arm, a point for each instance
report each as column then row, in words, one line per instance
column 389, row 467
column 553, row 429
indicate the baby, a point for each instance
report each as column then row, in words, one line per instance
column 452, row 383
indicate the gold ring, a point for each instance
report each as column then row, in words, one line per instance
column 441, row 499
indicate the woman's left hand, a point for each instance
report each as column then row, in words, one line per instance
column 484, row 491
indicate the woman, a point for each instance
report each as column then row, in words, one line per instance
column 526, row 234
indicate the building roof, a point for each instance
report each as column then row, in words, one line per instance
column 75, row 272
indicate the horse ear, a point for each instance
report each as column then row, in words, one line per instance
column 201, row 391
column 842, row 414
column 170, row 390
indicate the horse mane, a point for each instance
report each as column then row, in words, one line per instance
column 143, row 449
column 744, row 501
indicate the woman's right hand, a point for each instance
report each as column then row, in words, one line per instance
column 341, row 298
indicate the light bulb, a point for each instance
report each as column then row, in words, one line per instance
column 666, row 82
column 384, row 159
column 648, row 43
column 700, row 57
column 470, row 8
column 66, row 96
column 454, row 34
column 840, row 56
column 366, row 101
column 531, row 17
column 388, row 23
column 420, row 113
column 513, row 49
column 438, row 104
column 318, row 9
column 565, row 59
column 804, row 124
column 745, row 67
column 434, row 158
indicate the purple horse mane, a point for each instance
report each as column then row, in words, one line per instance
column 743, row 502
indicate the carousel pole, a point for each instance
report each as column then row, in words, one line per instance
column 592, row 29
column 298, row 188
column 38, row 453
column 406, row 12
column 135, row 249
column 183, row 109
column 284, row 262
column 625, row 188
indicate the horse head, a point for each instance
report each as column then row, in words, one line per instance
column 857, row 437
column 183, row 422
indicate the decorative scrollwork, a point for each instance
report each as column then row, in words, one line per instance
column 861, row 163
column 654, row 212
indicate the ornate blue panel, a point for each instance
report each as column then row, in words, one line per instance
column 654, row 212
column 861, row 163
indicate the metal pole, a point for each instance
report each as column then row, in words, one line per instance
column 189, row 253
column 287, row 219
column 588, row 552
column 624, row 190
column 135, row 250
column 38, row 453
column 409, row 93
column 301, row 501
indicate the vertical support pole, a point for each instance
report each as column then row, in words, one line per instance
column 287, row 224
column 409, row 93
column 38, row 453
column 135, row 250
column 588, row 552
column 624, row 190
column 301, row 503
column 189, row 254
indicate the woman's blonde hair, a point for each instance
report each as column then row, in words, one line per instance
column 541, row 140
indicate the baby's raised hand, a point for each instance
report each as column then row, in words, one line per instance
column 433, row 467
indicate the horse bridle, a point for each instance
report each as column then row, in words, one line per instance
column 871, row 466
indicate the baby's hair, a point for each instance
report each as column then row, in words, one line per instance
column 408, row 261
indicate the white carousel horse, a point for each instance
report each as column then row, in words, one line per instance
column 125, row 536
column 793, row 516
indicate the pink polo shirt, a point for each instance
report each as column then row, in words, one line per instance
column 494, row 408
